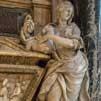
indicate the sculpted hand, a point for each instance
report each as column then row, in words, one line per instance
column 45, row 38
column 41, row 48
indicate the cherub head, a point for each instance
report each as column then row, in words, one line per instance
column 65, row 11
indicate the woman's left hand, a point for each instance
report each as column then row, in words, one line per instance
column 41, row 48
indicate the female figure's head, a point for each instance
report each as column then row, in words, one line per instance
column 65, row 12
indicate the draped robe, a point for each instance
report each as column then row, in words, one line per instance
column 66, row 78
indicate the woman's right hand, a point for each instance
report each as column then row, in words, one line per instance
column 45, row 38
column 42, row 48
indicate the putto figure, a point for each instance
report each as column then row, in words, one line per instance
column 26, row 30
column 66, row 78
column 30, row 43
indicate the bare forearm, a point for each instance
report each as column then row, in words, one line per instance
column 62, row 41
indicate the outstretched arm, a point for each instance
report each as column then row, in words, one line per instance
column 65, row 42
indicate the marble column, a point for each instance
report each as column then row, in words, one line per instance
column 87, row 9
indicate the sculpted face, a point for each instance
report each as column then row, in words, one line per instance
column 66, row 14
column 65, row 11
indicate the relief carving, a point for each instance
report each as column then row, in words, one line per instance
column 12, row 89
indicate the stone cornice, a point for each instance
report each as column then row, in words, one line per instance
column 16, row 3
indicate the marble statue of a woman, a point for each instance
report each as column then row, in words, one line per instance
column 66, row 78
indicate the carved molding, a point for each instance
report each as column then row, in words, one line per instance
column 16, row 3
column 31, row 90
column 23, row 3
column 8, row 68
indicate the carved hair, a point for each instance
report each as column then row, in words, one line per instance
column 28, row 16
column 28, row 22
column 63, row 6
column 27, row 28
